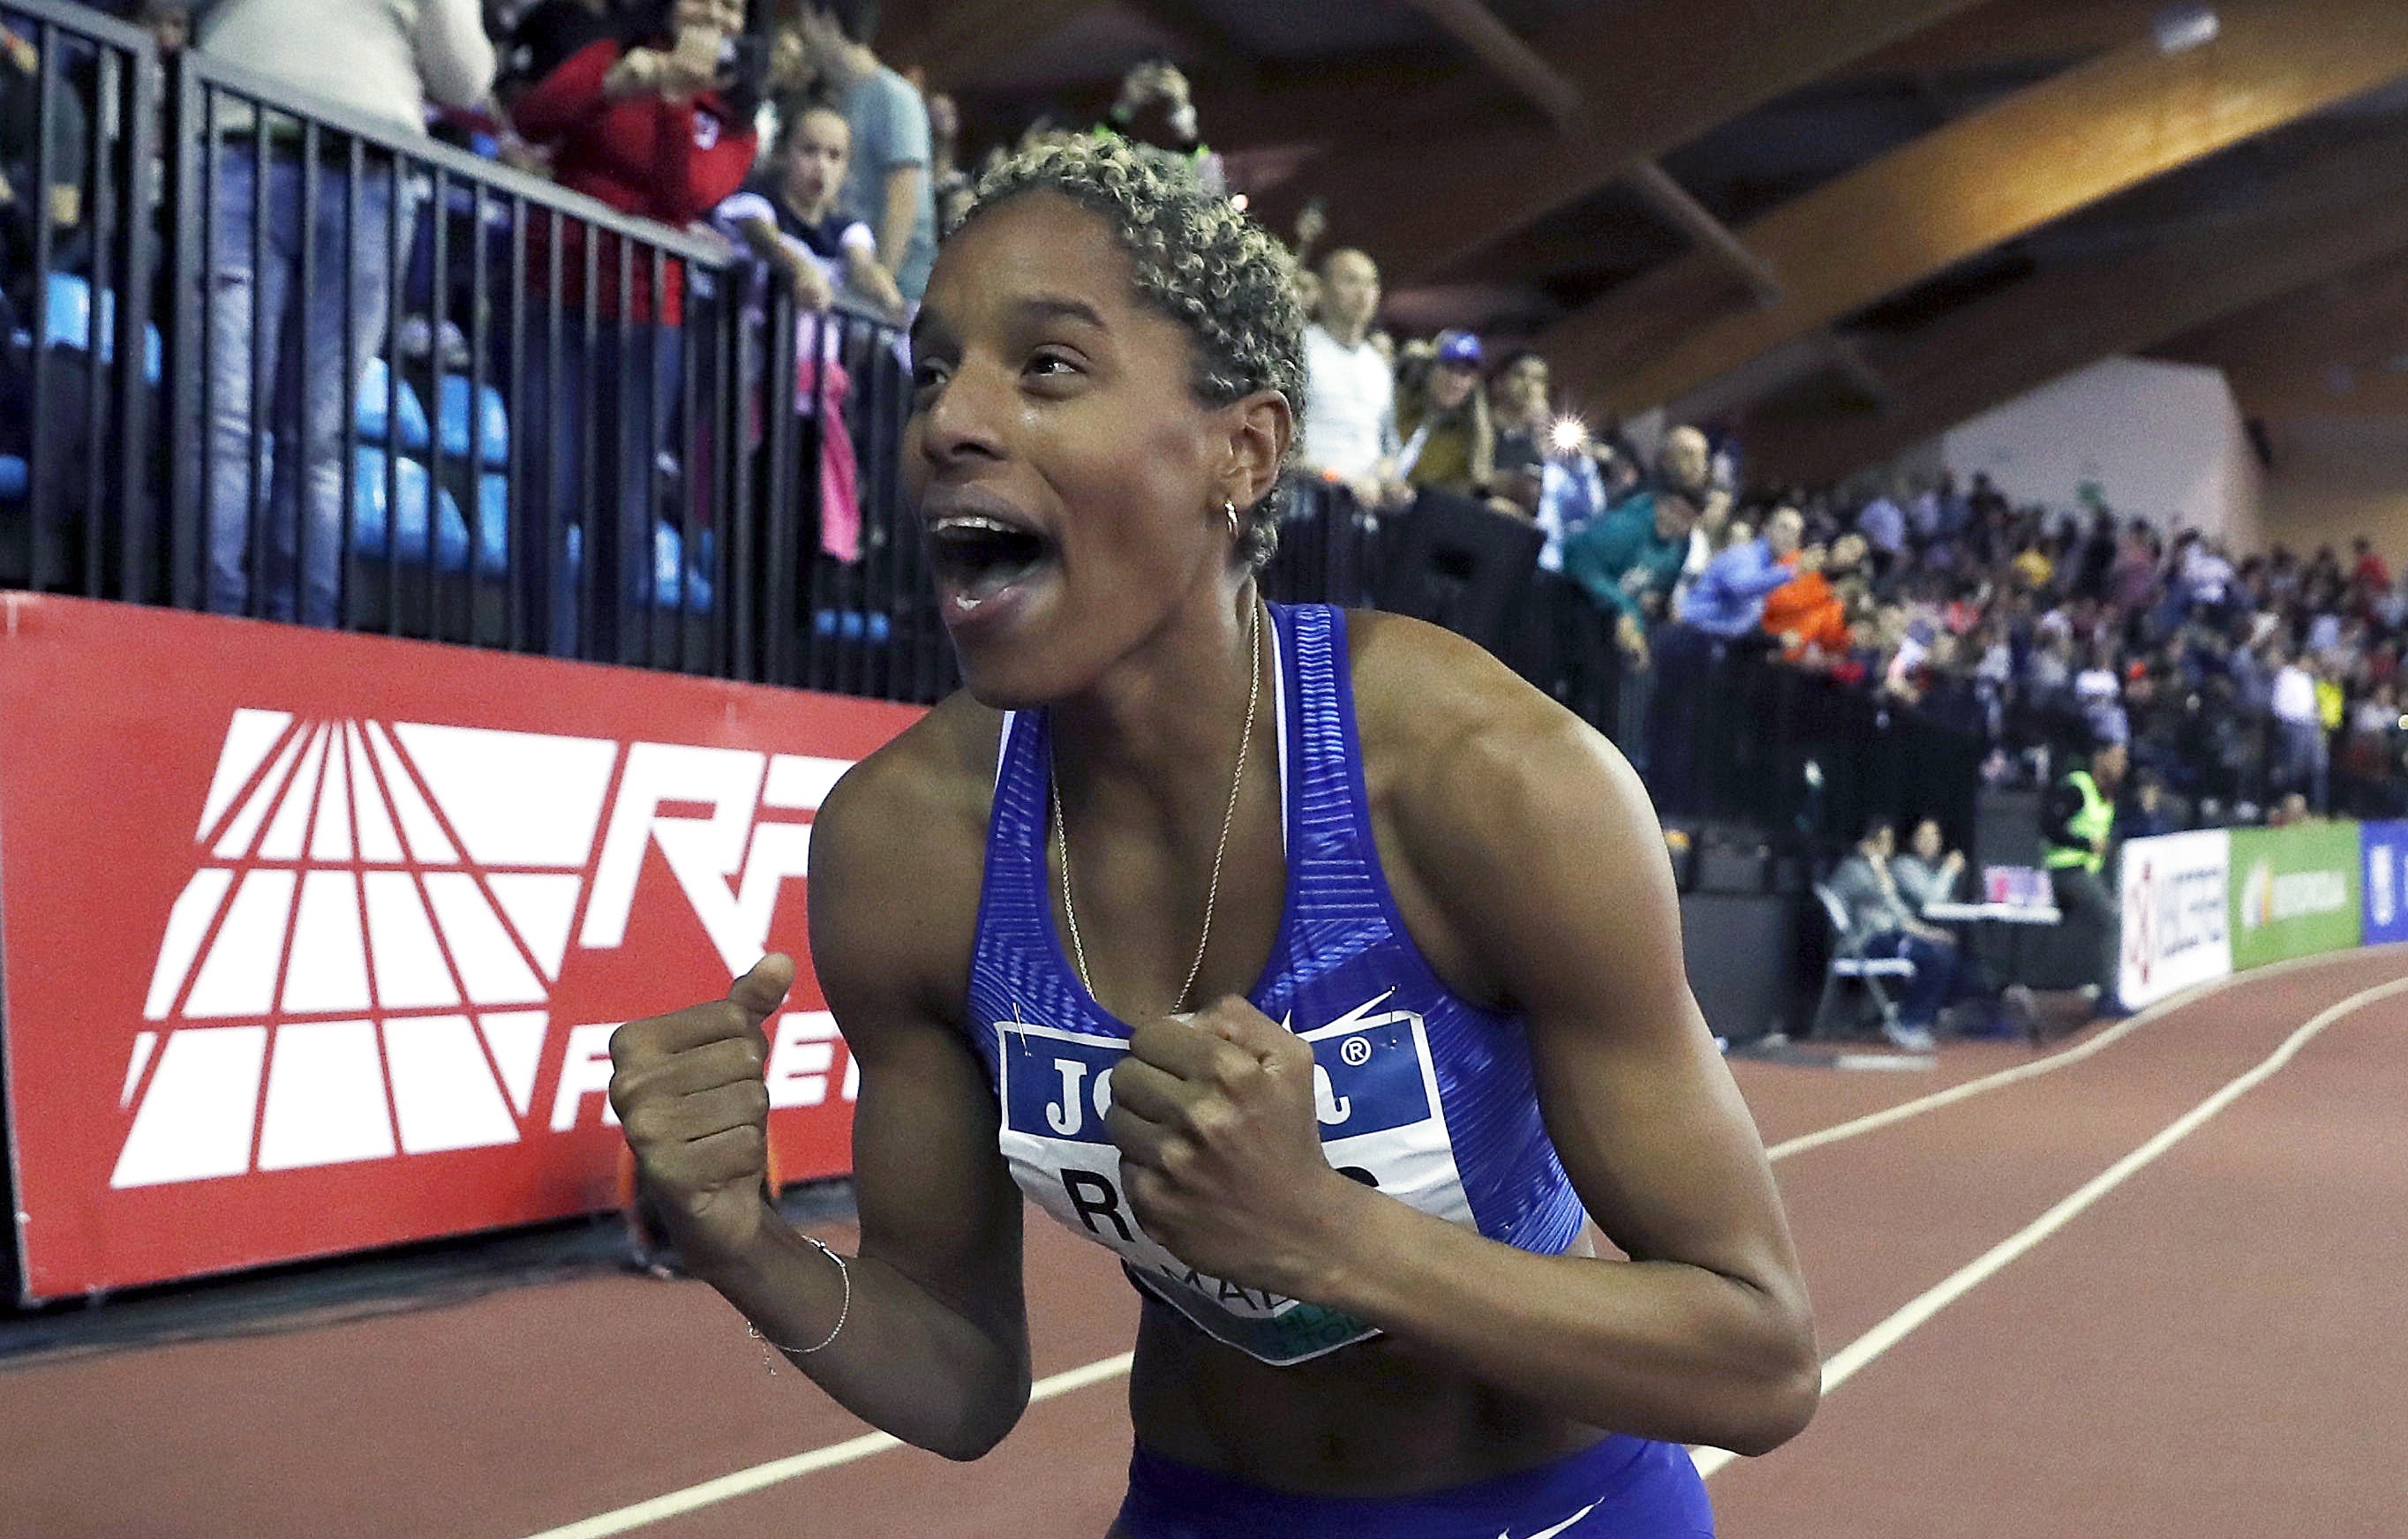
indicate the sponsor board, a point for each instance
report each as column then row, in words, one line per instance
column 2295, row 891
column 315, row 942
column 2177, row 919
column 2383, row 878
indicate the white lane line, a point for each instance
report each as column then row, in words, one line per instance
column 1891, row 1116
column 676, row 1503
column 1843, row 1364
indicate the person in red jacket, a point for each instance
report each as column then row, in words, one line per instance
column 659, row 127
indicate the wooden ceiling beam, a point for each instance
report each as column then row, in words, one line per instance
column 1435, row 177
column 1278, row 104
column 1326, row 103
column 1213, row 43
column 2334, row 214
column 1849, row 357
column 1711, row 236
column 2010, row 33
column 2367, row 393
column 2353, row 321
column 1502, row 52
column 949, row 39
column 1983, row 180
column 1768, row 377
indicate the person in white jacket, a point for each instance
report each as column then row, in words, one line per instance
column 272, row 342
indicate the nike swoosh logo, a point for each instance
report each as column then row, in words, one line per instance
column 1288, row 1024
column 1550, row 1533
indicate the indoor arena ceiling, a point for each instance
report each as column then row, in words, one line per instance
column 1847, row 225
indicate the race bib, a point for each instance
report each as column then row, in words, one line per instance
column 1376, row 1097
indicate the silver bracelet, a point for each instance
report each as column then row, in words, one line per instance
column 843, row 1311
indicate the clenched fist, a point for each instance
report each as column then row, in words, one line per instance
column 688, row 1088
column 1221, row 1146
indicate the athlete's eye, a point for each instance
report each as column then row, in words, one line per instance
column 1051, row 363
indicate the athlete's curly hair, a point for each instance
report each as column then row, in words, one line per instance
column 1195, row 258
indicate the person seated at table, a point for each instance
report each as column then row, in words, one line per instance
column 1925, row 876
column 1884, row 923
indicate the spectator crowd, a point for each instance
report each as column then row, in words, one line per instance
column 2264, row 685
column 2243, row 685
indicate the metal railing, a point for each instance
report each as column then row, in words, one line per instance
column 844, row 591
column 79, row 355
column 390, row 386
column 540, row 476
column 1737, row 736
column 1331, row 549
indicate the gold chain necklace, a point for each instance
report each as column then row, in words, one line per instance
column 1228, row 821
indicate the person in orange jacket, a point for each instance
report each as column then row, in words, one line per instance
column 1808, row 615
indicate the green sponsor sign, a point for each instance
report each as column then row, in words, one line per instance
column 2295, row 893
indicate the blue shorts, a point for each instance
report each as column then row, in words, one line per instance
column 1625, row 1488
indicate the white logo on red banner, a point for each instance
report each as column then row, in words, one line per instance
column 316, row 941
column 360, row 966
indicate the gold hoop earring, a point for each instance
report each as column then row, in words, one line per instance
column 1230, row 511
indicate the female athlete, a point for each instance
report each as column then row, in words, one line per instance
column 1308, row 960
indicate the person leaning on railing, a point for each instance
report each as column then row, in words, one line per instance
column 786, row 218
column 660, row 127
column 1442, row 416
column 376, row 58
column 1627, row 560
column 1721, row 615
column 887, row 186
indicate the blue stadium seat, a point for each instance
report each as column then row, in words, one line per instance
column 370, row 510
column 451, row 417
column 14, row 479
column 452, row 543
column 851, row 625
column 676, row 583
column 494, row 527
column 375, row 381
column 679, row 584
column 67, row 314
column 67, row 310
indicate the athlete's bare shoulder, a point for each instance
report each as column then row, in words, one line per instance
column 1425, row 696
column 944, row 762
column 898, row 856
column 1475, row 777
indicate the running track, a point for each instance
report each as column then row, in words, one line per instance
column 2206, row 1339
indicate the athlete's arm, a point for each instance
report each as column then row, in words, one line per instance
column 933, row 1348
column 1537, row 844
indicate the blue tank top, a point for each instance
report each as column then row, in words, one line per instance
column 1419, row 1092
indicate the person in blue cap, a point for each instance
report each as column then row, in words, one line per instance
column 1442, row 416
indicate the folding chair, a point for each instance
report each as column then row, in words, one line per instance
column 1848, row 960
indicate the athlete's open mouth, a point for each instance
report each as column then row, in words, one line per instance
column 979, row 556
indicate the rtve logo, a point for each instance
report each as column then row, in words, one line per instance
column 363, row 966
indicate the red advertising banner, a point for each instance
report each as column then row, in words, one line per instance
column 315, row 942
